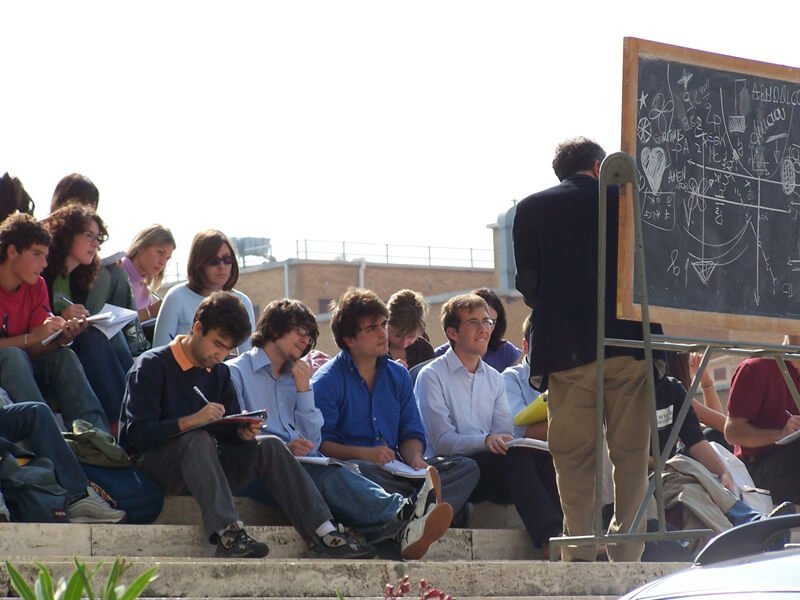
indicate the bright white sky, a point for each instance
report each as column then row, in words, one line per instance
column 413, row 122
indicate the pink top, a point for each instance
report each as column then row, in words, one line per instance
column 141, row 293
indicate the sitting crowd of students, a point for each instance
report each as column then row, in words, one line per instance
column 386, row 398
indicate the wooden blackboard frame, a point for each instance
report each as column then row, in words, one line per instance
column 626, row 307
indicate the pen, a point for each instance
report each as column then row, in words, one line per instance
column 201, row 394
column 156, row 296
column 67, row 300
column 299, row 435
column 788, row 414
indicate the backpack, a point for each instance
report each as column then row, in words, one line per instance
column 127, row 489
column 30, row 490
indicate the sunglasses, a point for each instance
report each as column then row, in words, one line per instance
column 217, row 260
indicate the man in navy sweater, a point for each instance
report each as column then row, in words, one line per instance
column 173, row 390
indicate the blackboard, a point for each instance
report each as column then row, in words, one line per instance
column 716, row 140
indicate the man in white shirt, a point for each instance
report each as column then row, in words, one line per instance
column 465, row 412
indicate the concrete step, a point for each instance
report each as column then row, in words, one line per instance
column 37, row 540
column 282, row 578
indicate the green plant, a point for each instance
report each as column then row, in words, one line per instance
column 79, row 584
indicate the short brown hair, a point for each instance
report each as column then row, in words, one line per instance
column 407, row 310
column 279, row 318
column 576, row 154
column 205, row 246
column 350, row 308
column 452, row 308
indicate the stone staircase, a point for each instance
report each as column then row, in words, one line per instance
column 480, row 562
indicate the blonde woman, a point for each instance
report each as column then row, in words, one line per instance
column 144, row 264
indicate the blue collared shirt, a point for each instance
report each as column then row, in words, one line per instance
column 251, row 373
column 518, row 391
column 460, row 408
column 355, row 417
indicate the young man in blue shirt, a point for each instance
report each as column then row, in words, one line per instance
column 370, row 415
column 171, row 391
column 463, row 404
column 272, row 375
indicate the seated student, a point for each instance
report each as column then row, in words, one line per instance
column 670, row 396
column 13, row 197
column 272, row 375
column 144, row 264
column 370, row 415
column 465, row 412
column 761, row 411
column 500, row 353
column 212, row 267
column 77, row 233
column 519, row 392
column 26, row 363
column 34, row 423
column 75, row 188
column 173, row 389
column 407, row 345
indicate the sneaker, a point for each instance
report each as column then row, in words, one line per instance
column 783, row 509
column 235, row 543
column 421, row 532
column 429, row 493
column 339, row 544
column 93, row 509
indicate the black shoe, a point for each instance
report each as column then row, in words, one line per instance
column 235, row 543
column 339, row 544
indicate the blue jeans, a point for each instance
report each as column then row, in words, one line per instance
column 105, row 362
column 57, row 376
column 34, row 422
column 357, row 502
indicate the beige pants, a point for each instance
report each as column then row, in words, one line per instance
column 571, row 436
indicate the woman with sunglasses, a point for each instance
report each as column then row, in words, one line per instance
column 79, row 287
column 212, row 267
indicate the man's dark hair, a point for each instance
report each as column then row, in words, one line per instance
column 577, row 154
column 496, row 340
column 224, row 312
column 22, row 231
column 279, row 318
column 13, row 197
column 350, row 308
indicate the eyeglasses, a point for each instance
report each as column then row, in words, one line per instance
column 91, row 237
column 370, row 329
column 302, row 332
column 217, row 260
column 477, row 323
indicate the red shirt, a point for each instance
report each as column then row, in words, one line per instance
column 24, row 309
column 759, row 395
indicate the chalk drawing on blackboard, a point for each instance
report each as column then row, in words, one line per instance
column 643, row 130
column 654, row 163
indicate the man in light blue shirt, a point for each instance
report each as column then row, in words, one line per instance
column 519, row 392
column 465, row 412
column 272, row 376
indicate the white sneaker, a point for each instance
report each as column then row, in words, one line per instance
column 421, row 532
column 93, row 509
column 431, row 485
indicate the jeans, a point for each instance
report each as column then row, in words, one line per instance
column 106, row 363
column 740, row 513
column 34, row 422
column 357, row 502
column 57, row 376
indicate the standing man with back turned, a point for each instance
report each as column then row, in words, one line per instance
column 555, row 248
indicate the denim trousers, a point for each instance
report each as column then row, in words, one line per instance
column 35, row 423
column 57, row 376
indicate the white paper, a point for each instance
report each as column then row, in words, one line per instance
column 528, row 443
column 111, row 319
column 403, row 470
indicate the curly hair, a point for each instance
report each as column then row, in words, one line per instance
column 279, row 318
column 22, row 231
column 350, row 308
column 577, row 154
column 64, row 224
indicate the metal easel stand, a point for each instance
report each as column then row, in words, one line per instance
column 619, row 168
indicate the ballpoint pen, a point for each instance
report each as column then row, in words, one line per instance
column 299, row 435
column 201, row 394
